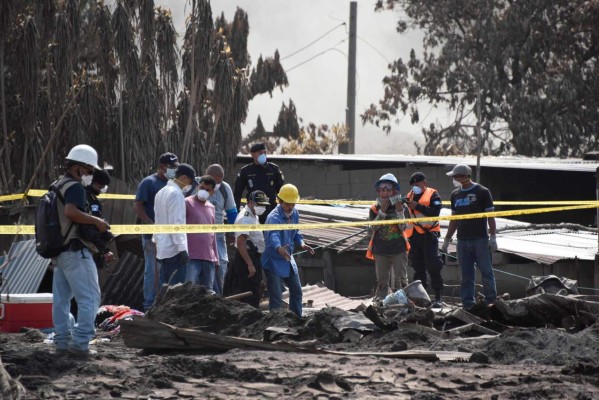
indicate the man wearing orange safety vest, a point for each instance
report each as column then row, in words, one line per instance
column 424, row 236
column 389, row 246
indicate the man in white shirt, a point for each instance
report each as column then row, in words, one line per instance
column 169, row 209
column 245, row 274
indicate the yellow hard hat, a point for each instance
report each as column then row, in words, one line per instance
column 289, row 194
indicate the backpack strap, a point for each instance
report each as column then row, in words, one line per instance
column 57, row 188
column 223, row 191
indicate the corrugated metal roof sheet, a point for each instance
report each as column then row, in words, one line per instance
column 123, row 284
column 548, row 246
column 545, row 246
column 570, row 164
column 25, row 269
column 323, row 297
column 338, row 239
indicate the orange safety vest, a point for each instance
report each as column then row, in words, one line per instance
column 369, row 253
column 425, row 226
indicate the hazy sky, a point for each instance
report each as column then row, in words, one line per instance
column 318, row 87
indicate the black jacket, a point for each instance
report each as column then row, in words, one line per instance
column 267, row 178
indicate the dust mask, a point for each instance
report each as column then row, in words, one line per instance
column 203, row 195
column 86, row 180
column 104, row 189
column 170, row 173
column 457, row 184
column 217, row 186
column 259, row 210
column 417, row 190
column 262, row 159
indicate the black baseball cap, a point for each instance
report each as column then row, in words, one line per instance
column 259, row 197
column 102, row 177
column 186, row 170
column 417, row 177
column 169, row 158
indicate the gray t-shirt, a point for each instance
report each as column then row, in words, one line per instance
column 219, row 203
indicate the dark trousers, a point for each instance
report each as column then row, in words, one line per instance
column 237, row 281
column 426, row 258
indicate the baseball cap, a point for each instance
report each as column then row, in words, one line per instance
column 186, row 170
column 417, row 177
column 259, row 197
column 169, row 158
column 102, row 177
column 460, row 169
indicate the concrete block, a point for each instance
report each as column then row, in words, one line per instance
column 368, row 177
column 326, row 191
column 337, row 177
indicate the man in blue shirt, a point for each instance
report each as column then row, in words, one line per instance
column 277, row 259
column 144, row 209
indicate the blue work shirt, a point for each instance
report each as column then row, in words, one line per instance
column 146, row 192
column 271, row 259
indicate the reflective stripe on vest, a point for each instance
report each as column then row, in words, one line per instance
column 403, row 234
column 424, row 226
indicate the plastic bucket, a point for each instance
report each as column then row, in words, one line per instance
column 417, row 294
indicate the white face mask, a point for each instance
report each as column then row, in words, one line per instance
column 417, row 189
column 262, row 159
column 457, row 184
column 86, row 180
column 288, row 215
column 186, row 189
column 217, row 186
column 203, row 195
column 104, row 189
column 170, row 173
column 259, row 210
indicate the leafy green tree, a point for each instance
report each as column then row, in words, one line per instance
column 532, row 64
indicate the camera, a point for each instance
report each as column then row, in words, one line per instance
column 397, row 198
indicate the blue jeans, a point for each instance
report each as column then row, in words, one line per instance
column 223, row 260
column 75, row 275
column 471, row 252
column 200, row 272
column 151, row 271
column 275, row 291
column 173, row 269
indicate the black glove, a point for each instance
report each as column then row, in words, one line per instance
column 184, row 257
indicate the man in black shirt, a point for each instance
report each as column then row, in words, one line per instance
column 259, row 175
column 99, row 184
column 474, row 244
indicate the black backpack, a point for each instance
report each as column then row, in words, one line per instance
column 49, row 241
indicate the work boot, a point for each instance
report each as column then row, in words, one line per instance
column 438, row 303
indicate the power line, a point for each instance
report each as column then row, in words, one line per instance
column 314, row 41
column 375, row 49
column 318, row 55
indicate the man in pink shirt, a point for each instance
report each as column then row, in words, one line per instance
column 203, row 253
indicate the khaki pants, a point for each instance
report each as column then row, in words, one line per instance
column 387, row 267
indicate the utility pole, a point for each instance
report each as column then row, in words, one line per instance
column 350, row 111
column 479, row 139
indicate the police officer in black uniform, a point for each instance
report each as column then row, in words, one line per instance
column 99, row 184
column 259, row 175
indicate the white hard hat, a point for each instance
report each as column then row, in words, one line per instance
column 387, row 178
column 84, row 154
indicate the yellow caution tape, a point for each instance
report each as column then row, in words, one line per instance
column 169, row 229
column 114, row 196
